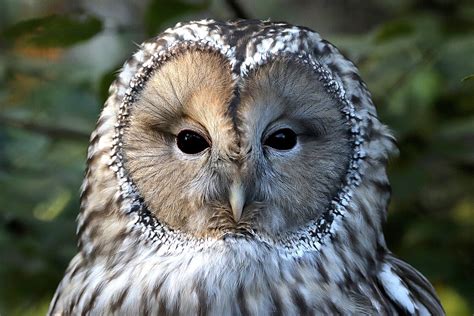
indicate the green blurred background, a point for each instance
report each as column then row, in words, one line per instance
column 57, row 58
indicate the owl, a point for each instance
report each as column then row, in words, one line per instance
column 238, row 168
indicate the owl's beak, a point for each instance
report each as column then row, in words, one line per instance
column 237, row 199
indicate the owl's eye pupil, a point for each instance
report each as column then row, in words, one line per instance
column 190, row 142
column 282, row 139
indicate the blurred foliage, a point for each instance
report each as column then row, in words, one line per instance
column 54, row 30
column 161, row 11
column 58, row 58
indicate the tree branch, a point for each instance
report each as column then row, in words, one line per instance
column 239, row 12
column 50, row 131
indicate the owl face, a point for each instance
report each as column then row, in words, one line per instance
column 214, row 154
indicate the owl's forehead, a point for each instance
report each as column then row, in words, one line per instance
column 246, row 44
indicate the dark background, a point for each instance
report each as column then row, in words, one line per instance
column 57, row 58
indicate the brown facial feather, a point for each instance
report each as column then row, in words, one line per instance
column 283, row 189
column 181, row 96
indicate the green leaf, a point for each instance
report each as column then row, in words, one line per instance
column 392, row 30
column 54, row 30
column 470, row 77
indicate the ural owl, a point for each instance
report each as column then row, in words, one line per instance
column 238, row 168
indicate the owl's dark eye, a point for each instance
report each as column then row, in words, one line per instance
column 282, row 139
column 190, row 142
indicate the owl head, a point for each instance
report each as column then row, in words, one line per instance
column 248, row 130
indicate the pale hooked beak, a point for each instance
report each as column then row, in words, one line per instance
column 237, row 199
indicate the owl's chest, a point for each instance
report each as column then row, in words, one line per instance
column 220, row 283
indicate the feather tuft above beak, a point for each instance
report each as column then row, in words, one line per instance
column 236, row 199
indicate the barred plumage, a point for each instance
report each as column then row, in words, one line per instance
column 238, row 228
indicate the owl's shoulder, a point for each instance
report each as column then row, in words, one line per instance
column 406, row 289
